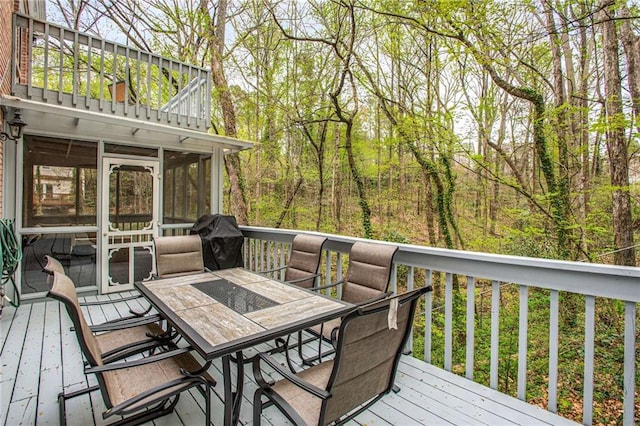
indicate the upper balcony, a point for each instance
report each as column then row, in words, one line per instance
column 83, row 74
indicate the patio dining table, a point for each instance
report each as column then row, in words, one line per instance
column 221, row 313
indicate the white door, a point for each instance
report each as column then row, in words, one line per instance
column 130, row 209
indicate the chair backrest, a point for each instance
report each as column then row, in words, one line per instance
column 64, row 290
column 367, row 354
column 179, row 255
column 52, row 265
column 369, row 271
column 304, row 260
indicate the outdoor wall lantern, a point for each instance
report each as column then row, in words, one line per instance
column 15, row 128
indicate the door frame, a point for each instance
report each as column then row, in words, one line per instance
column 109, row 163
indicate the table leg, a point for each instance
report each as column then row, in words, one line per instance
column 232, row 400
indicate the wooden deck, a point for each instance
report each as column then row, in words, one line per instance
column 40, row 357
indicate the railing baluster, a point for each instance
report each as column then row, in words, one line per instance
column 199, row 102
column 127, row 95
column 30, row 64
column 428, row 308
column 170, row 92
column 159, row 88
column 629, row 390
column 274, row 256
column 448, row 321
column 327, row 270
column 190, row 89
column 394, row 278
column 61, row 64
column 114, row 77
column 207, row 120
column 14, row 52
column 138, row 71
column 283, row 252
column 102, row 82
column 410, row 279
column 338, row 275
column 471, row 322
column 589, row 333
column 148, row 99
column 45, row 70
column 522, row 342
column 255, row 255
column 553, row 351
column 87, row 98
column 495, row 333
column 75, row 85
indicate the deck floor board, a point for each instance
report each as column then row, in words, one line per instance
column 41, row 357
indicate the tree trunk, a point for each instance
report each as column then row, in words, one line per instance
column 561, row 119
column 231, row 161
column 616, row 144
column 631, row 45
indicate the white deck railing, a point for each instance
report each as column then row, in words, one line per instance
column 501, row 275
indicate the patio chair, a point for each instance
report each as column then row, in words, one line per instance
column 141, row 389
column 304, row 261
column 178, row 255
column 367, row 280
column 52, row 265
column 368, row 350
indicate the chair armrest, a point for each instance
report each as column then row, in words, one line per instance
column 306, row 386
column 304, row 279
column 125, row 323
column 268, row 271
column 123, row 352
column 104, row 302
column 375, row 299
column 155, row 394
column 337, row 283
column 141, row 361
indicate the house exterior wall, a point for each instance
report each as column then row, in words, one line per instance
column 6, row 9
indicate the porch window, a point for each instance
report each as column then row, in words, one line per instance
column 76, row 251
column 60, row 182
column 187, row 186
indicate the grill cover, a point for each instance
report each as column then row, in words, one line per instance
column 221, row 241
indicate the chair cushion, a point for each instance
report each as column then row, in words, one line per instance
column 306, row 251
column 325, row 328
column 122, row 385
column 117, row 338
column 369, row 271
column 179, row 255
column 64, row 290
column 306, row 404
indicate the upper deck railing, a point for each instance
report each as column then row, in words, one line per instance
column 57, row 65
column 467, row 329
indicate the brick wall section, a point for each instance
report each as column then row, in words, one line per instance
column 6, row 9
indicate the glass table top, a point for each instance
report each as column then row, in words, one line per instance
column 234, row 296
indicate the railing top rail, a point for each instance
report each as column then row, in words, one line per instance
column 616, row 282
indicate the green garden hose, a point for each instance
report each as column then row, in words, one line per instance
column 10, row 257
